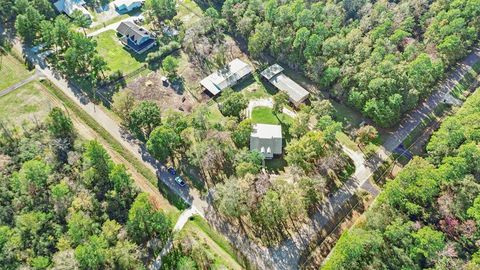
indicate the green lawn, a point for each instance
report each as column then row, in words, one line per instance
column 264, row 115
column 116, row 55
column 25, row 104
column 11, row 71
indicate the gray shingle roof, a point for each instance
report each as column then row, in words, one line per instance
column 132, row 31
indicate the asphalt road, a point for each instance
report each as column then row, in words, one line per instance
column 287, row 254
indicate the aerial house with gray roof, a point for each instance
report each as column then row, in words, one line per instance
column 135, row 37
column 266, row 139
column 226, row 77
column 296, row 93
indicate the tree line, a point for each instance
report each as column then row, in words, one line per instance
column 380, row 57
column 64, row 204
column 428, row 216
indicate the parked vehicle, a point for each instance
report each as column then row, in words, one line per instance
column 180, row 181
column 172, row 171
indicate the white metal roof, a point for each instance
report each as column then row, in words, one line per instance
column 226, row 76
column 296, row 93
column 265, row 131
column 272, row 71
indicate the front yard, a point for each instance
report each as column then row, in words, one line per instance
column 116, row 55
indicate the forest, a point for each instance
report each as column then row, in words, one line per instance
column 428, row 216
column 381, row 57
column 64, row 204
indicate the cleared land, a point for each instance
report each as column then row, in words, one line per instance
column 116, row 55
column 11, row 71
column 25, row 105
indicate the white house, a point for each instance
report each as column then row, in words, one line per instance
column 266, row 139
column 226, row 77
column 69, row 6
column 135, row 37
column 125, row 6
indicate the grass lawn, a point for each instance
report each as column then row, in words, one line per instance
column 116, row 55
column 189, row 12
column 11, row 71
column 264, row 115
column 25, row 105
column 215, row 244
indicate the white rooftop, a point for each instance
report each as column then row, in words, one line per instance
column 69, row 6
column 227, row 76
column 296, row 93
column 265, row 131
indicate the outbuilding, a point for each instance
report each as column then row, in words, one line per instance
column 226, row 77
column 296, row 93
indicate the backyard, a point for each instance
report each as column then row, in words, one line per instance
column 116, row 55
column 265, row 115
column 11, row 71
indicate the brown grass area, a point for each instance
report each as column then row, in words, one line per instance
column 150, row 87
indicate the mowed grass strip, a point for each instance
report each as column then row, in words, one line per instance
column 11, row 71
column 172, row 197
column 116, row 55
column 25, row 104
column 265, row 115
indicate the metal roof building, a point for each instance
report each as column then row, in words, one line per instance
column 296, row 93
column 226, row 77
column 135, row 37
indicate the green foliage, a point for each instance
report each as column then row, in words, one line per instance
column 60, row 125
column 144, row 117
column 92, row 254
column 280, row 99
column 144, row 222
column 232, row 103
column 432, row 201
column 170, row 66
column 160, row 10
column 123, row 103
column 303, row 152
column 163, row 142
column 241, row 134
column 382, row 59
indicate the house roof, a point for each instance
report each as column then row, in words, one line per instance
column 69, row 6
column 132, row 31
column 274, row 74
column 265, row 131
column 126, row 3
column 226, row 76
column 272, row 71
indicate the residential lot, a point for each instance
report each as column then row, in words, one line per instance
column 118, row 57
column 11, row 71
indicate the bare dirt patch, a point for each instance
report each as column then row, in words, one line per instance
column 151, row 87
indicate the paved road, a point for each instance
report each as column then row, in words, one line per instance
column 287, row 254
column 414, row 118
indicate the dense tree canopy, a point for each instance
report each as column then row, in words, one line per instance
column 379, row 56
column 428, row 216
